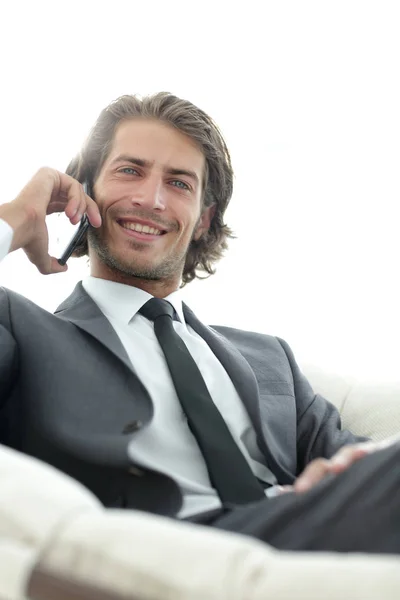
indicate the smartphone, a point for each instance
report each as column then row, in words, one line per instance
column 80, row 232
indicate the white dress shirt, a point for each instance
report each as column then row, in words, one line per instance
column 166, row 444
column 6, row 235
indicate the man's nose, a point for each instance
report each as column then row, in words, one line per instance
column 150, row 194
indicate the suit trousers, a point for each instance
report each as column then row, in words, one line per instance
column 357, row 510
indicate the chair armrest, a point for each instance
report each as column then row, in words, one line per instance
column 137, row 556
column 45, row 585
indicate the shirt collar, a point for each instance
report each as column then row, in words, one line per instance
column 122, row 302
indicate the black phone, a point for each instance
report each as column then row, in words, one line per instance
column 80, row 232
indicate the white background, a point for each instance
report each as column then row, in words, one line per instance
column 307, row 94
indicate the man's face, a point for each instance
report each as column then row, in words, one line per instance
column 149, row 195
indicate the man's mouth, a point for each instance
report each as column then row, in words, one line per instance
column 144, row 229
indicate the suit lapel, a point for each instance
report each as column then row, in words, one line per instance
column 234, row 363
column 246, row 385
column 82, row 311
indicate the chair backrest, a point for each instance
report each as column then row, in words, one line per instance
column 370, row 408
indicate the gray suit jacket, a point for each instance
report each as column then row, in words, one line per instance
column 69, row 396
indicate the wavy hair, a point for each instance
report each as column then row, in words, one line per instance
column 193, row 122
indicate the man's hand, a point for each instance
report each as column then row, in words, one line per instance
column 319, row 468
column 49, row 191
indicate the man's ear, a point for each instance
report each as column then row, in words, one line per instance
column 204, row 221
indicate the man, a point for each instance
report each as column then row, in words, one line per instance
column 125, row 390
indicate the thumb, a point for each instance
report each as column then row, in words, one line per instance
column 45, row 264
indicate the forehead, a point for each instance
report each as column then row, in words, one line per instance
column 157, row 142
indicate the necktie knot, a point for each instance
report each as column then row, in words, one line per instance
column 156, row 307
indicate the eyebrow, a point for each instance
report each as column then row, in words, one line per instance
column 140, row 162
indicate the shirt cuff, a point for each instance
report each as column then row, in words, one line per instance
column 6, row 236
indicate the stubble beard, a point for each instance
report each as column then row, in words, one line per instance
column 169, row 267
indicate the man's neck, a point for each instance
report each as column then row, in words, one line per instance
column 157, row 288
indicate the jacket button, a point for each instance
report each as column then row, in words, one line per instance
column 132, row 426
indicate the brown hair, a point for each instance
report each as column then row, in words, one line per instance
column 195, row 123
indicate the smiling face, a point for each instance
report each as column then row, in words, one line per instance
column 149, row 192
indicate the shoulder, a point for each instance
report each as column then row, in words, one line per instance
column 13, row 304
column 9, row 297
column 256, row 346
column 241, row 335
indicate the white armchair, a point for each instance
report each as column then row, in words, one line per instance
column 372, row 410
column 58, row 543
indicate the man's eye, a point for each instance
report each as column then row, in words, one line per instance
column 128, row 170
column 180, row 184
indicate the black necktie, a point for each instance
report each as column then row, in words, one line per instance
column 229, row 471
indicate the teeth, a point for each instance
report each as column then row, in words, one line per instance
column 141, row 228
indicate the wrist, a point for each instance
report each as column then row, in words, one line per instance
column 19, row 221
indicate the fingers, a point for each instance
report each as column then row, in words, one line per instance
column 92, row 211
column 312, row 474
column 55, row 267
column 49, row 265
column 77, row 202
column 70, row 196
column 39, row 256
column 284, row 489
column 320, row 468
column 347, row 455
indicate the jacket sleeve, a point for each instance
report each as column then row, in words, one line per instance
column 319, row 428
column 8, row 350
column 8, row 346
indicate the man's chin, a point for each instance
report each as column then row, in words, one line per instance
column 139, row 270
column 139, row 267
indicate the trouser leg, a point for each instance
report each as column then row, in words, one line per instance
column 356, row 511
